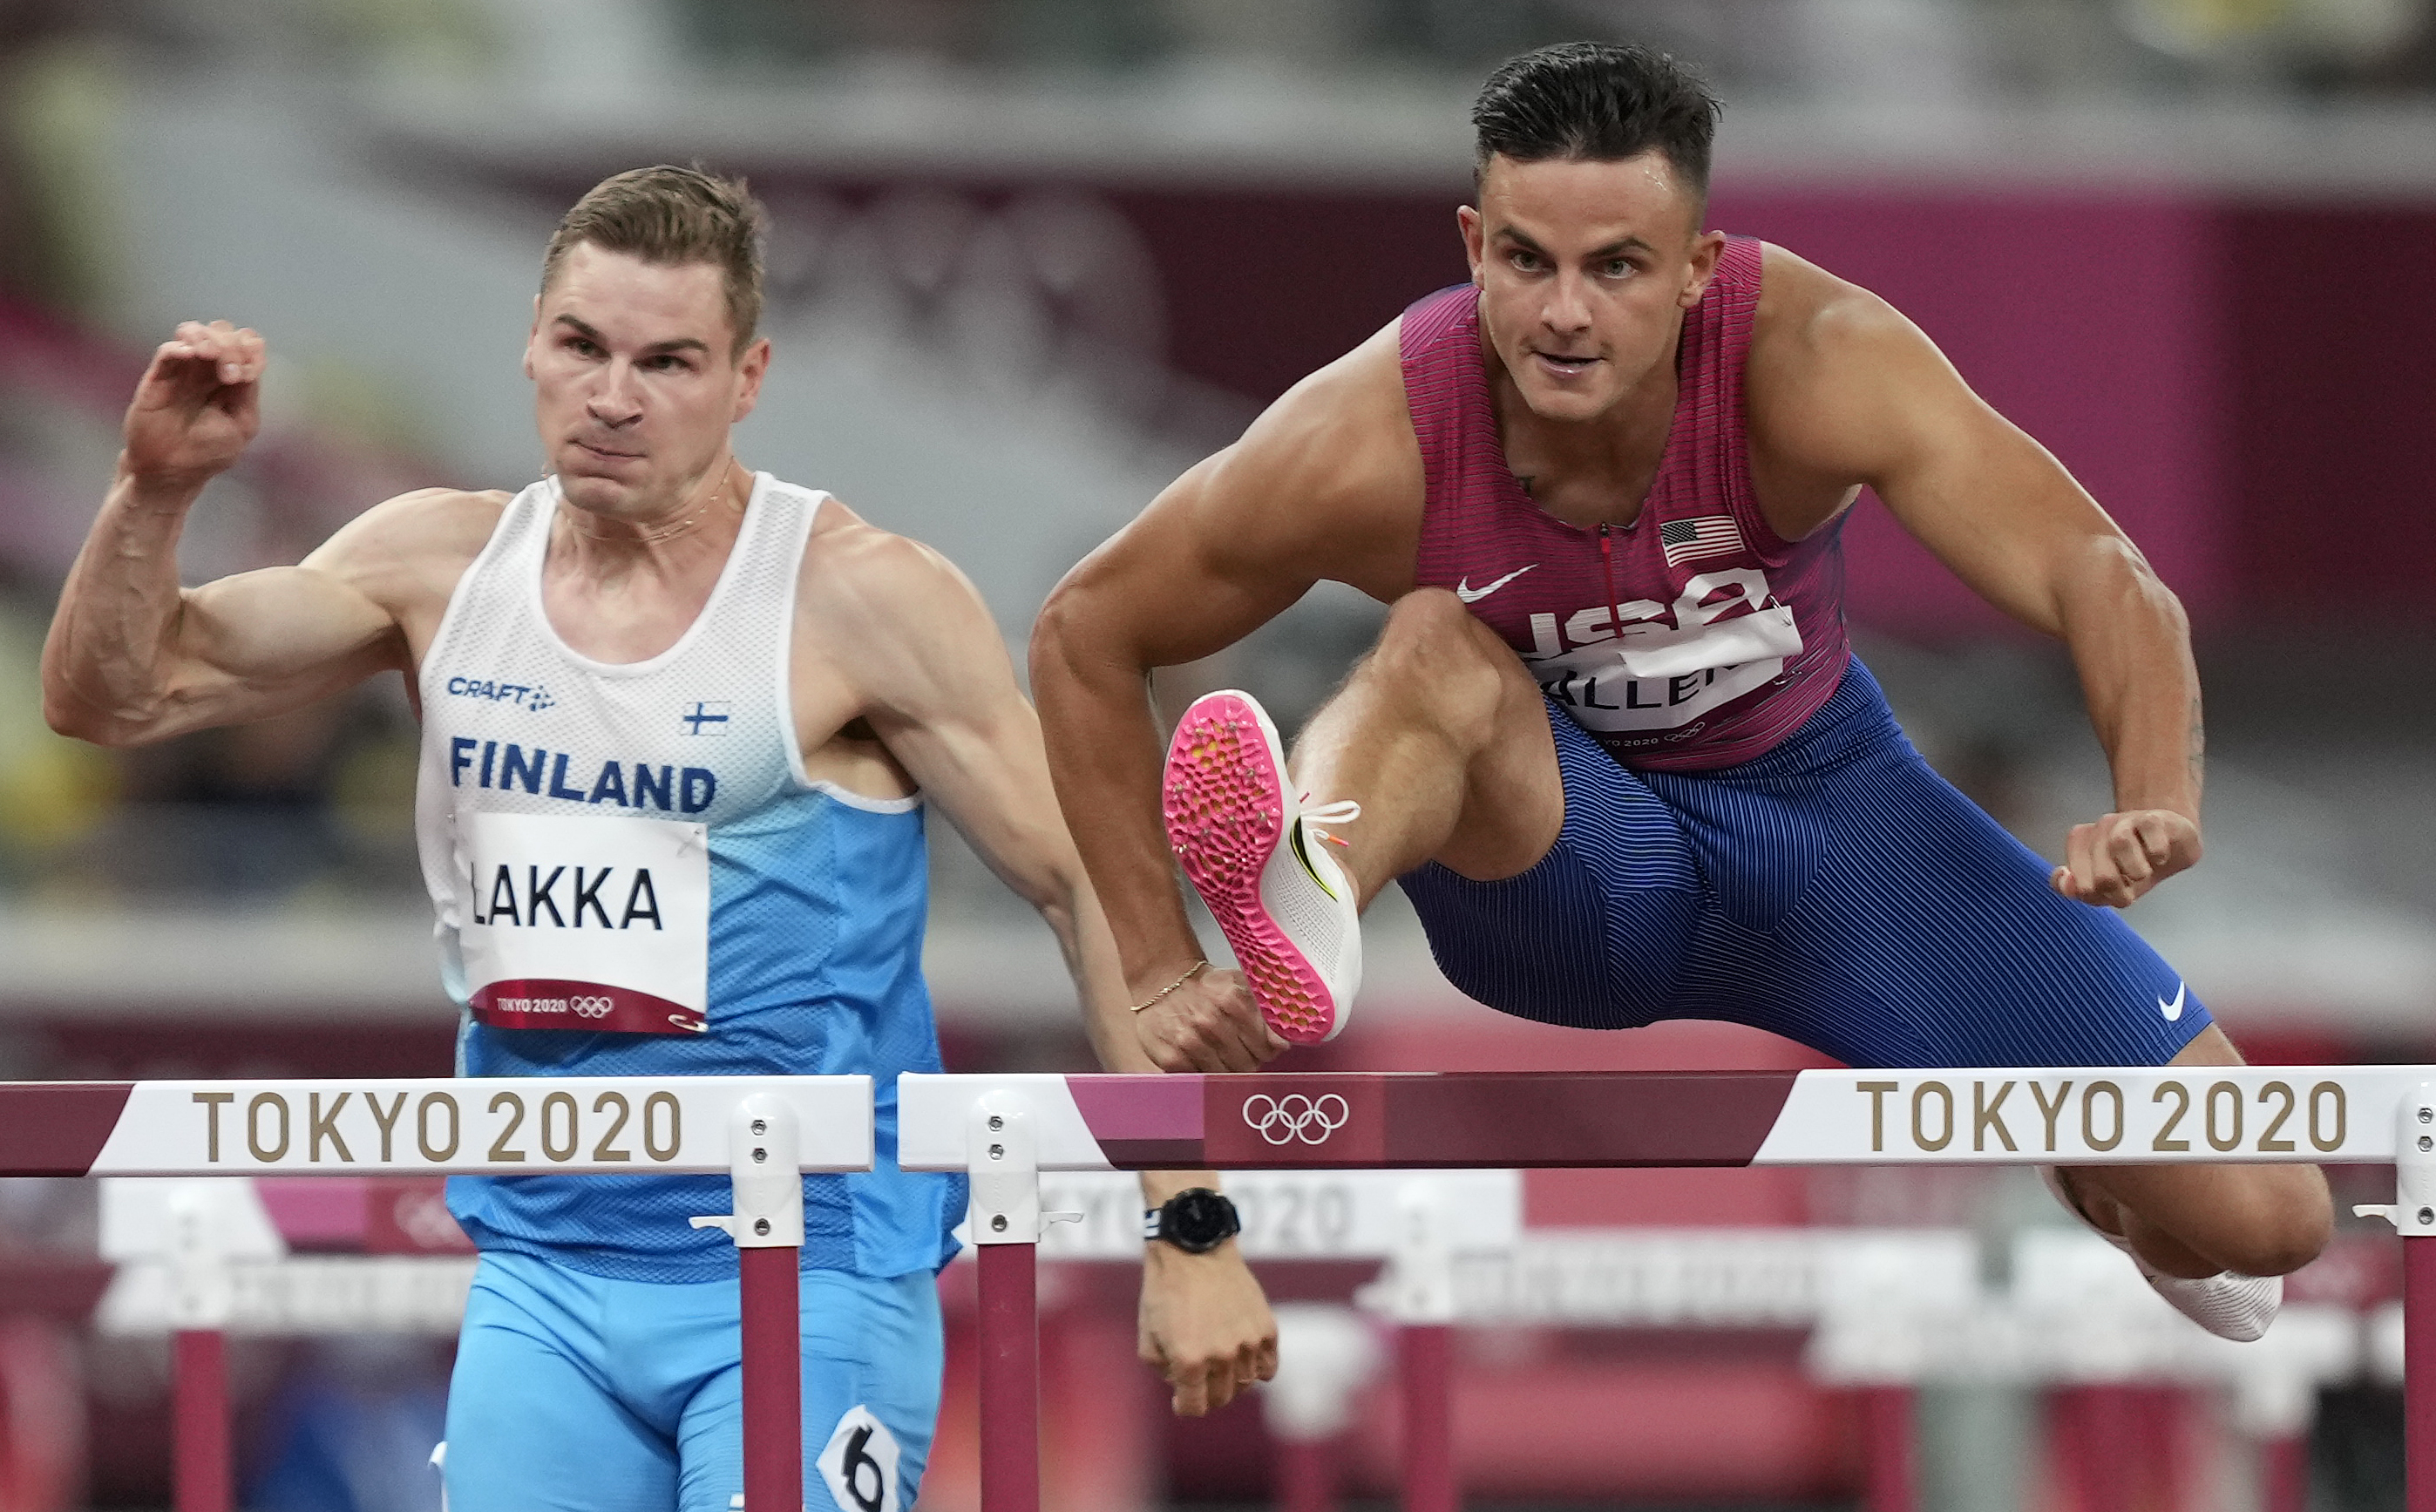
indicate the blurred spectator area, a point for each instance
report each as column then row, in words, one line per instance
column 1032, row 257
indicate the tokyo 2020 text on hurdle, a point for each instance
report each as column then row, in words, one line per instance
column 1005, row 1130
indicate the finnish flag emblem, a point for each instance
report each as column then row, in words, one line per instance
column 704, row 718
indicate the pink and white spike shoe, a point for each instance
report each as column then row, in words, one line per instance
column 1260, row 860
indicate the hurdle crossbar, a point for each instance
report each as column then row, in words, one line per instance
column 497, row 1126
column 2095, row 1116
column 1355, row 1121
column 1004, row 1130
column 762, row 1132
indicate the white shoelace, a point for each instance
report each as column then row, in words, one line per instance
column 1342, row 812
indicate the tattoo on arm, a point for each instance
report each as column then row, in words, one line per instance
column 2199, row 743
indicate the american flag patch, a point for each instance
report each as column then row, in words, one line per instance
column 1709, row 535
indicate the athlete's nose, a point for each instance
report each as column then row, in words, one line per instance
column 1567, row 310
column 616, row 400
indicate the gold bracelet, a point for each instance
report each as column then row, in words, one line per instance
column 1190, row 972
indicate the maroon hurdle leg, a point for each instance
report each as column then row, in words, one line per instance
column 1306, row 1476
column 2413, row 1212
column 1425, row 1372
column 1010, row 1378
column 774, row 1377
column 1325, row 1355
column 766, row 1171
column 2419, row 1364
column 1004, row 1220
column 204, row 1482
column 2283, row 1473
column 1889, row 1431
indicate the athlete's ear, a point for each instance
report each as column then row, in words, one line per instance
column 749, row 371
column 1466, row 219
column 1705, row 250
column 532, row 337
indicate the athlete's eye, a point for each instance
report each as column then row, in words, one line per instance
column 1618, row 268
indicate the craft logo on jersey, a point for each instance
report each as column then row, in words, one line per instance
column 1706, row 535
column 522, row 695
column 702, row 718
column 1295, row 1116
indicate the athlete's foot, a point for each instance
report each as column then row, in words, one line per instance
column 2229, row 1305
column 1260, row 860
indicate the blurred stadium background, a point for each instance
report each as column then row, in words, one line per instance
column 1030, row 258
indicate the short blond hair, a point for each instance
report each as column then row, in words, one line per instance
column 673, row 216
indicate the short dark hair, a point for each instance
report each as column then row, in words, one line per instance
column 1602, row 101
column 671, row 216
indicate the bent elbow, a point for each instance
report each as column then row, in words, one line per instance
column 1063, row 626
column 78, row 719
column 71, row 717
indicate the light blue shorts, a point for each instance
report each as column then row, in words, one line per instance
column 574, row 1393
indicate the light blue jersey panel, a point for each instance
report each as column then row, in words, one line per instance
column 817, row 912
column 795, row 909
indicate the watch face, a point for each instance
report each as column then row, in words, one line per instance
column 1200, row 1219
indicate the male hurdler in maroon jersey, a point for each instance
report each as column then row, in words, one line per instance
column 1612, row 740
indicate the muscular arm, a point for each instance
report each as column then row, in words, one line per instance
column 1326, row 484
column 926, row 668
column 1846, row 389
column 133, row 656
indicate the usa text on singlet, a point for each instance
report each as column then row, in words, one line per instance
column 1691, row 639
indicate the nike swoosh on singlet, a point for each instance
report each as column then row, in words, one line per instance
column 2173, row 1011
column 1464, row 590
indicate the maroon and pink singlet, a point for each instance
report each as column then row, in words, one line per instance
column 1691, row 639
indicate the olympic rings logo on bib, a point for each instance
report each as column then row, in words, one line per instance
column 1296, row 1116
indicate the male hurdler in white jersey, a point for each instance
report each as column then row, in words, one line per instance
column 681, row 724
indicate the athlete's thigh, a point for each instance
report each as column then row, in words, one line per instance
column 532, row 1426
column 1931, row 937
column 1594, row 934
column 872, row 1352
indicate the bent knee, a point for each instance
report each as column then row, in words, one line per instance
column 1432, row 641
column 2285, row 1224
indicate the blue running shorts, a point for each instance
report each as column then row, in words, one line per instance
column 576, row 1393
column 1834, row 891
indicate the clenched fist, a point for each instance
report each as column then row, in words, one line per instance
column 198, row 406
column 2119, row 858
column 1209, row 1023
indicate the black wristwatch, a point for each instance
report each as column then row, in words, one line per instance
column 1195, row 1221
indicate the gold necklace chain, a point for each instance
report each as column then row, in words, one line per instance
column 684, row 523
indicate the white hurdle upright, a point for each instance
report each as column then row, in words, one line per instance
column 2038, row 1116
column 762, row 1132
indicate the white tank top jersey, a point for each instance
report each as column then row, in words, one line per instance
column 634, row 875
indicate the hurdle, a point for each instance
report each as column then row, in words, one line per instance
column 1005, row 1131
column 760, row 1132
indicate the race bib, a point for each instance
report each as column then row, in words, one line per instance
column 1649, row 666
column 598, row 923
